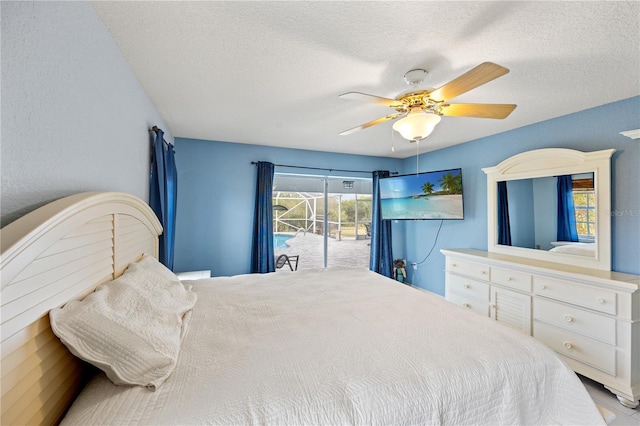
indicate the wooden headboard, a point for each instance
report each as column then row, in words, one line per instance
column 57, row 253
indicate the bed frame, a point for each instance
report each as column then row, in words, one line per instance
column 57, row 253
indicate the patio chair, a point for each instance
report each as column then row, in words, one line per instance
column 283, row 259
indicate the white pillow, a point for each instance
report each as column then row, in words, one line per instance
column 132, row 327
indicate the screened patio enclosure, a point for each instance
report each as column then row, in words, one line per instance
column 305, row 213
column 323, row 220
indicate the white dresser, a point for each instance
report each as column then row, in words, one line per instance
column 590, row 317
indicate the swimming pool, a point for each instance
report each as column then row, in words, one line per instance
column 279, row 240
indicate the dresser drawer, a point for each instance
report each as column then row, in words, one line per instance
column 513, row 279
column 467, row 287
column 589, row 297
column 574, row 319
column 478, row 306
column 469, row 269
column 583, row 349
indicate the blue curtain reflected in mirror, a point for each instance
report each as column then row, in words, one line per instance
column 504, row 227
column 567, row 230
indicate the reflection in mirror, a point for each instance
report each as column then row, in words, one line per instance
column 534, row 216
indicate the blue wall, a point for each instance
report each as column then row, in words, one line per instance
column 216, row 182
column 65, row 128
column 521, row 208
column 590, row 130
column 216, row 191
column 545, row 206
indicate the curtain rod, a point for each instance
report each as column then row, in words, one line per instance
column 322, row 168
column 155, row 129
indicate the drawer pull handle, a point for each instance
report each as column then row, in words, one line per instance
column 454, row 265
column 568, row 318
column 509, row 278
column 601, row 300
column 466, row 305
column 568, row 345
column 544, row 287
column 467, row 286
column 483, row 272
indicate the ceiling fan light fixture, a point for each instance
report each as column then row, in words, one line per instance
column 417, row 125
column 426, row 106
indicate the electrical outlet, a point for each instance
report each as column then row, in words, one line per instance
column 415, row 265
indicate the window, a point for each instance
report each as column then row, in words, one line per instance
column 324, row 220
column 584, row 200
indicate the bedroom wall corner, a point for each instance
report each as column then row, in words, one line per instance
column 216, row 198
column 74, row 115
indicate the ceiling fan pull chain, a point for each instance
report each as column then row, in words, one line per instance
column 393, row 142
column 417, row 157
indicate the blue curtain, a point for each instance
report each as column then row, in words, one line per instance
column 163, row 193
column 567, row 230
column 504, row 226
column 381, row 258
column 262, row 251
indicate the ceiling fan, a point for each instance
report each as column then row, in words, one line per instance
column 422, row 109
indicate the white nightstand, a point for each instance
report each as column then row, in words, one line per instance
column 194, row 275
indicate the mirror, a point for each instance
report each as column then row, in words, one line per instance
column 533, row 214
column 530, row 183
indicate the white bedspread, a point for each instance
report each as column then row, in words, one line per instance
column 344, row 346
column 581, row 249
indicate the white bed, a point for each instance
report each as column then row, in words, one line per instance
column 580, row 249
column 328, row 346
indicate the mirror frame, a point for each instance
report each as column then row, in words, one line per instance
column 554, row 162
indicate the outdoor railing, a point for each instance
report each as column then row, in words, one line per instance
column 336, row 229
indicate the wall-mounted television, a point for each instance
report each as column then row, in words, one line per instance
column 426, row 195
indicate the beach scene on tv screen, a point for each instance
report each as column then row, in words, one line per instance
column 432, row 195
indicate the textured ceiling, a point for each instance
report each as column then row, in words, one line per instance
column 269, row 73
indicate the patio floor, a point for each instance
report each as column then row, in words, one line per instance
column 309, row 248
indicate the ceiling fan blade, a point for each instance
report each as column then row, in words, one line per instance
column 363, row 97
column 372, row 123
column 478, row 76
column 477, row 110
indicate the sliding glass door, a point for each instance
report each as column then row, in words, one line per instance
column 325, row 221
